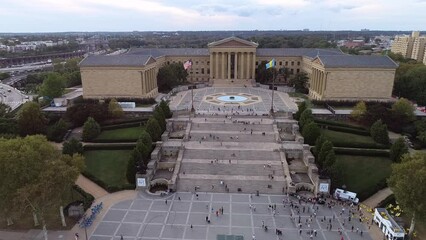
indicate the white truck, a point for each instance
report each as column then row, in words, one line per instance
column 344, row 195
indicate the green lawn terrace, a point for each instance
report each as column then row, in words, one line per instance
column 130, row 134
column 108, row 166
column 365, row 175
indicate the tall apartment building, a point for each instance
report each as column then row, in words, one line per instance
column 410, row 46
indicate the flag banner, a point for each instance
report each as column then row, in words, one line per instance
column 270, row 64
column 187, row 64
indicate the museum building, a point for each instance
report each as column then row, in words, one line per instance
column 333, row 75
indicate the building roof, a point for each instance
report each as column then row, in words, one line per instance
column 116, row 60
column 158, row 52
column 231, row 39
column 356, row 61
column 296, row 52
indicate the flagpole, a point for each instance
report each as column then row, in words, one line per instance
column 273, row 86
column 192, row 98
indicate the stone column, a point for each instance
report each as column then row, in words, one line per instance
column 144, row 82
column 229, row 66
column 253, row 66
column 236, row 65
column 211, row 66
column 247, row 63
column 216, row 60
column 242, row 65
column 223, row 66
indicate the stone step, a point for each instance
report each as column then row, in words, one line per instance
column 233, row 186
column 230, row 177
column 237, row 162
column 231, row 169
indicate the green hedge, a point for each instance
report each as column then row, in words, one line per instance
column 123, row 121
column 114, row 140
column 345, row 129
column 107, row 187
column 360, row 145
column 128, row 146
column 87, row 198
column 362, row 152
column 123, row 125
column 338, row 124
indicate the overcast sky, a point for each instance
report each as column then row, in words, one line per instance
column 174, row 15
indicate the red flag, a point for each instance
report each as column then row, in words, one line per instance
column 187, row 64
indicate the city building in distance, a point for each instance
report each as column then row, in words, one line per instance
column 413, row 46
column 333, row 75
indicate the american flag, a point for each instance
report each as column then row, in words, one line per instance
column 187, row 64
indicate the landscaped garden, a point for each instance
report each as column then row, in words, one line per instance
column 109, row 166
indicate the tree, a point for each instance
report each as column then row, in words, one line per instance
column 91, row 129
column 114, row 109
column 35, row 176
column 161, row 119
column 72, row 147
column 4, row 110
column 375, row 112
column 264, row 75
column 359, row 111
column 166, row 109
column 171, row 75
column 330, row 159
column 398, row 149
column 407, row 183
column 327, row 146
column 146, row 139
column 153, row 129
column 79, row 112
column 318, row 144
column 310, row 133
column 411, row 82
column 131, row 169
column 57, row 131
column 299, row 82
column 379, row 132
column 302, row 107
column 337, row 173
column 404, row 110
column 31, row 120
column 53, row 86
column 305, row 118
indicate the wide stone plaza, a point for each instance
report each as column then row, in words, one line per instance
column 148, row 218
column 258, row 100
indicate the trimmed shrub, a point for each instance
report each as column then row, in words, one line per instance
column 362, row 152
column 91, row 129
column 338, row 124
column 112, row 122
column 89, row 147
column 346, row 130
column 360, row 145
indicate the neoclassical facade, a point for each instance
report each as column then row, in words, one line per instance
column 332, row 74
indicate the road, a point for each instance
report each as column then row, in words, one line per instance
column 11, row 96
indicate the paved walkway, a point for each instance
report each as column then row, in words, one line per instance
column 90, row 187
column 370, row 204
column 183, row 216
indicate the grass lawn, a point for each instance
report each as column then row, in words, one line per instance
column 342, row 137
column 299, row 95
column 362, row 173
column 121, row 133
column 108, row 165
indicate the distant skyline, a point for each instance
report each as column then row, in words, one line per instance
column 209, row 15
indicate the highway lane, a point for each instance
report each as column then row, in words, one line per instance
column 12, row 97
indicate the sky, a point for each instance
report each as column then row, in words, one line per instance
column 207, row 15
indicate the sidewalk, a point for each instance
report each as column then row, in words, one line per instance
column 368, row 206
